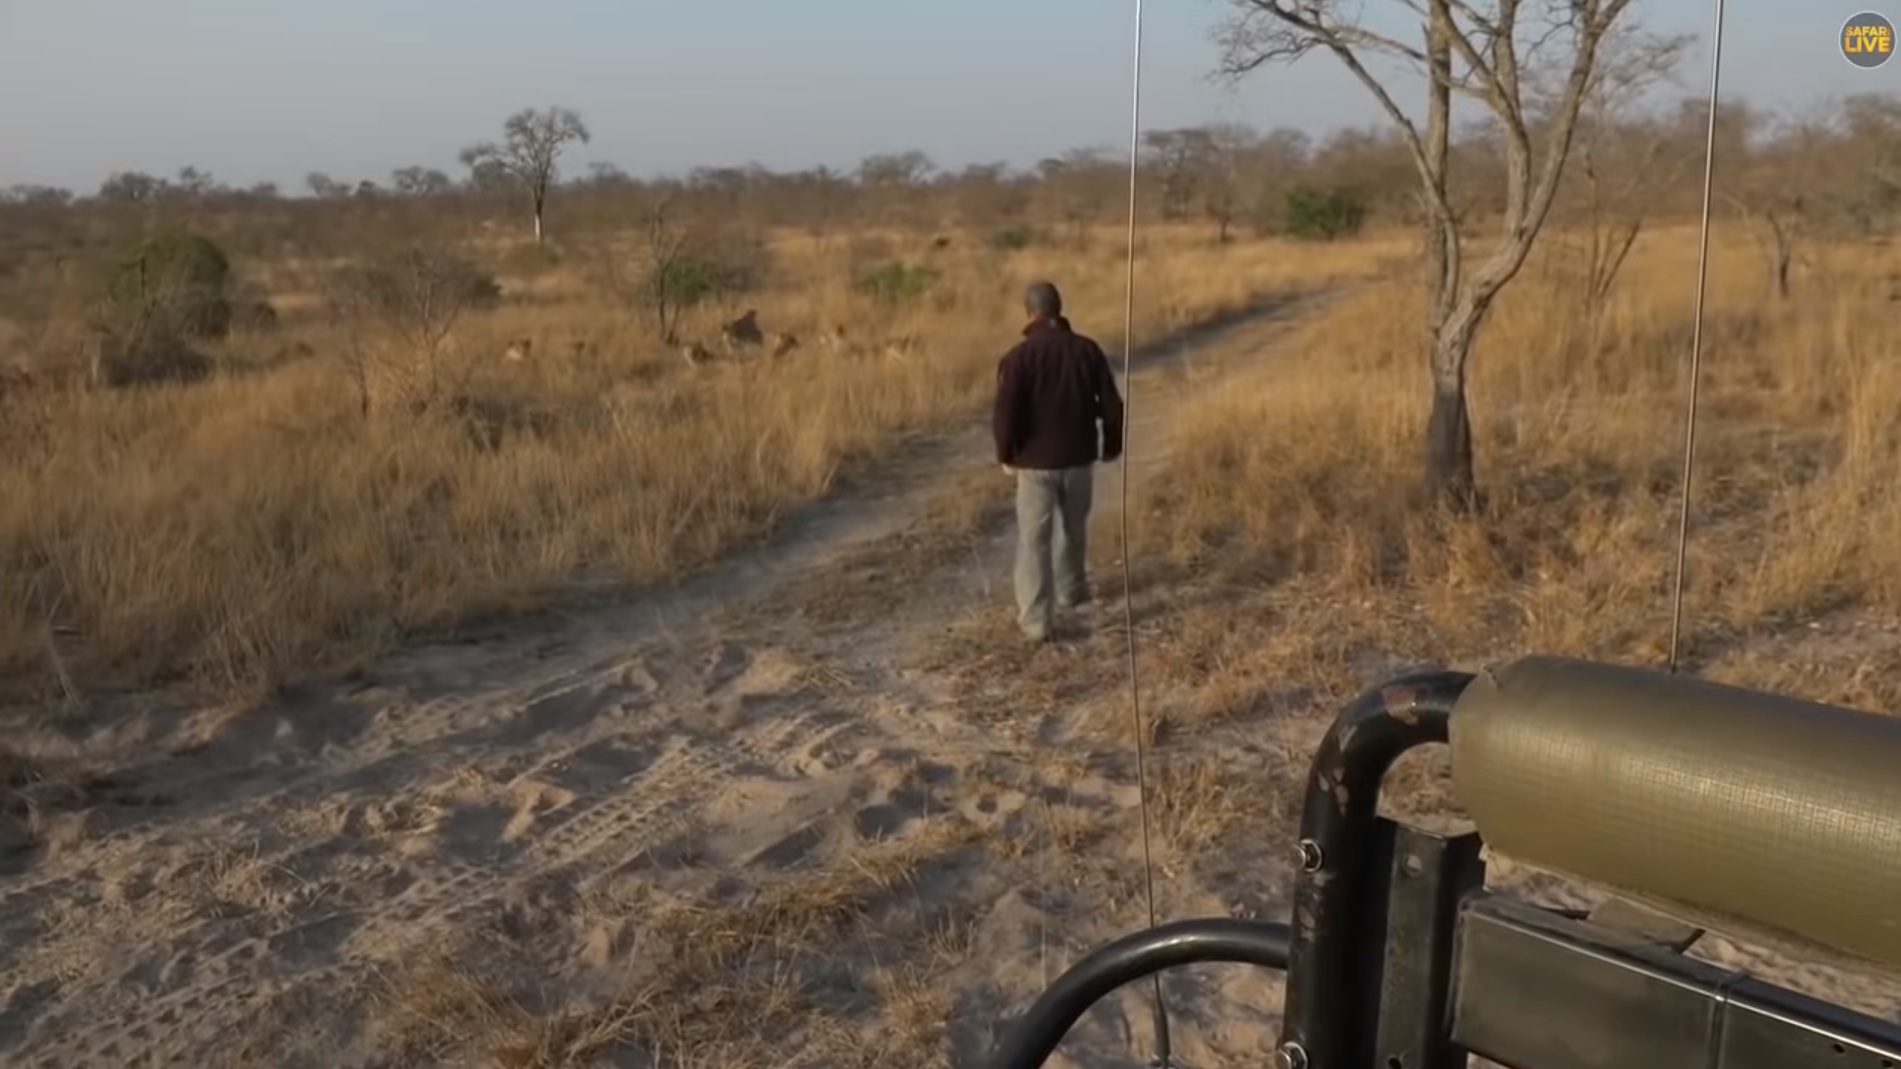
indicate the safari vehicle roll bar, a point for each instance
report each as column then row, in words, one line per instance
column 1742, row 810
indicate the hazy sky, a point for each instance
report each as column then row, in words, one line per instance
column 256, row 90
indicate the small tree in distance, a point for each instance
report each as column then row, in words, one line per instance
column 677, row 265
column 1323, row 215
column 529, row 153
column 418, row 294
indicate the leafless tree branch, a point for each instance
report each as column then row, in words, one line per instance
column 1476, row 51
column 529, row 154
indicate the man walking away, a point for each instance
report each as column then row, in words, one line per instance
column 1053, row 389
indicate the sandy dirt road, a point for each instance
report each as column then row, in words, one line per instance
column 825, row 766
column 245, row 884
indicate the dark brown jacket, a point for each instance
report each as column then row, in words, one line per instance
column 1052, row 390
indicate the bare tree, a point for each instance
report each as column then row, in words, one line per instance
column 529, row 154
column 664, row 241
column 1180, row 156
column 1272, row 166
column 131, row 187
column 893, row 180
column 1870, row 123
column 653, row 277
column 1779, row 195
column 350, row 306
column 1078, row 187
column 417, row 296
column 1624, row 163
column 1201, row 167
column 604, row 174
column 1376, row 163
column 193, row 183
column 325, row 187
column 989, row 192
column 1225, row 150
column 1777, row 216
column 1479, row 50
column 420, row 182
column 1832, row 170
column 895, row 170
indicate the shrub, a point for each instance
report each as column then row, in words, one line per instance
column 397, row 285
column 1324, row 215
column 1013, row 238
column 695, row 280
column 709, row 264
column 896, row 283
column 170, row 285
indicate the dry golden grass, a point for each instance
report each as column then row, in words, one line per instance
column 1297, row 490
column 256, row 525
column 242, row 530
column 1282, row 562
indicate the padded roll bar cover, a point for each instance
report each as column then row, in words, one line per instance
column 1770, row 810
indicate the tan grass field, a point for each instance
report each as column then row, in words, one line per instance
column 244, row 531
column 811, row 805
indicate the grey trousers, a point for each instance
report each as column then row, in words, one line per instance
column 1052, row 544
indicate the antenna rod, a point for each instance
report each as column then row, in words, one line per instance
column 1696, row 347
column 1163, row 1046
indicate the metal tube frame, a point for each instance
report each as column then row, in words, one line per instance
column 1135, row 957
column 1398, row 958
column 1327, row 971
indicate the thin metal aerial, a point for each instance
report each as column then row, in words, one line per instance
column 1162, row 1043
column 1696, row 344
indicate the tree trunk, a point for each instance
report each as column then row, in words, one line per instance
column 1449, row 469
column 538, row 224
column 1449, row 478
column 1449, row 474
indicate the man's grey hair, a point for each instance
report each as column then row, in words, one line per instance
column 1042, row 299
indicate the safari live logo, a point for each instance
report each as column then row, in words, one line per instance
column 1868, row 40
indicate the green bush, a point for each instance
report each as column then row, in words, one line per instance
column 171, row 285
column 693, row 280
column 896, row 283
column 1324, row 215
column 1013, row 239
column 710, row 264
